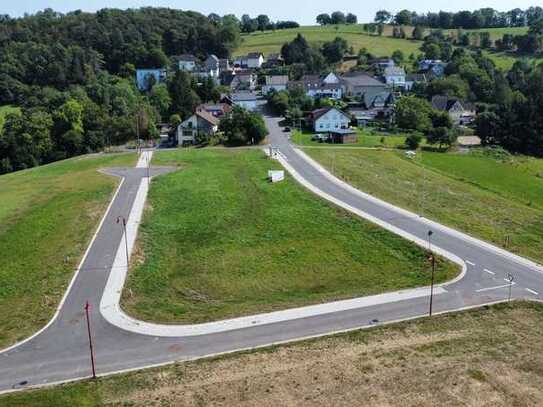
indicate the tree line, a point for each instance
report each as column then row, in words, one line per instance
column 262, row 23
column 337, row 17
column 482, row 18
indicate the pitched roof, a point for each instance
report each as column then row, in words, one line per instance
column 394, row 71
column 253, row 55
column 186, row 57
column 441, row 102
column 276, row 80
column 361, row 79
column 243, row 96
column 416, row 77
column 208, row 117
column 317, row 114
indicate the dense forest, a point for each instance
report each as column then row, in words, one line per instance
column 73, row 76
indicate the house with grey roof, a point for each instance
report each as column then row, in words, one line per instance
column 460, row 112
column 200, row 124
column 413, row 78
column 317, row 87
column 186, row 62
column 245, row 99
column 275, row 83
column 394, row 76
column 361, row 84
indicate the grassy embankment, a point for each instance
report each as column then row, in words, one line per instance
column 47, row 217
column 218, row 240
column 271, row 41
column 487, row 357
column 489, row 198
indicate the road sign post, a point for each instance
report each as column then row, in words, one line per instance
column 122, row 220
column 510, row 278
column 432, row 259
column 87, row 308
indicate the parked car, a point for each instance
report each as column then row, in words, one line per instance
column 286, row 129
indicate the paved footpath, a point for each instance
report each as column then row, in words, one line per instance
column 60, row 351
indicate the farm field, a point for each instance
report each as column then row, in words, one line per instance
column 494, row 199
column 271, row 41
column 486, row 357
column 47, row 217
column 256, row 247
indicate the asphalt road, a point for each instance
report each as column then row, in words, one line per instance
column 60, row 352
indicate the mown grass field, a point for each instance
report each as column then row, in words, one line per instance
column 271, row 41
column 218, row 240
column 487, row 357
column 366, row 138
column 47, row 217
column 489, row 198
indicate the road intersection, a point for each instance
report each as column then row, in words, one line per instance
column 59, row 352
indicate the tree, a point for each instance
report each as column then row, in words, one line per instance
column 398, row 57
column 403, row 17
column 380, row 29
column 351, row 18
column 263, row 21
column 338, row 17
column 487, row 127
column 184, row 98
column 324, row 19
column 418, row 33
column 335, row 50
column 243, row 127
column 413, row 113
column 160, row 99
column 441, row 136
column 413, row 140
column 485, row 40
column 382, row 17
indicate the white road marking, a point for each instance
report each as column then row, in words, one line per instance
column 490, row 272
column 470, row 263
column 532, row 291
column 493, row 288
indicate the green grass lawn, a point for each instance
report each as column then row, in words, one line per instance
column 47, row 217
column 218, row 240
column 4, row 111
column 367, row 137
column 488, row 198
column 486, row 357
column 271, row 41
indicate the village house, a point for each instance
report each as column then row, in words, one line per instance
column 186, row 62
column 360, row 84
column 394, row 76
column 245, row 99
column 212, row 65
column 412, row 79
column 201, row 123
column 317, row 87
column 335, row 123
column 433, row 68
column 460, row 112
column 275, row 83
column 242, row 80
column 253, row 60
column 218, row 110
column 146, row 78
column 274, row 60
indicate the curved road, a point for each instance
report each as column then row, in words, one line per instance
column 60, row 351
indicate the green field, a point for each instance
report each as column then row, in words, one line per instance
column 221, row 241
column 366, row 138
column 47, row 217
column 486, row 357
column 4, row 111
column 271, row 41
column 481, row 195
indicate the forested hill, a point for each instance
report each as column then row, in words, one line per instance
column 72, row 75
column 57, row 49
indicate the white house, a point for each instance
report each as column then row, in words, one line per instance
column 395, row 76
column 187, row 62
column 275, row 83
column 246, row 100
column 255, row 60
column 316, row 87
column 330, row 119
column 212, row 64
column 331, row 79
column 199, row 124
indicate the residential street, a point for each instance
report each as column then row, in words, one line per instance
column 61, row 351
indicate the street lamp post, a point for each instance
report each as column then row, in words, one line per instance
column 122, row 220
column 510, row 278
column 87, row 308
column 433, row 261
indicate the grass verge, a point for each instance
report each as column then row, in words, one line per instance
column 487, row 357
column 496, row 200
column 47, row 217
column 218, row 240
